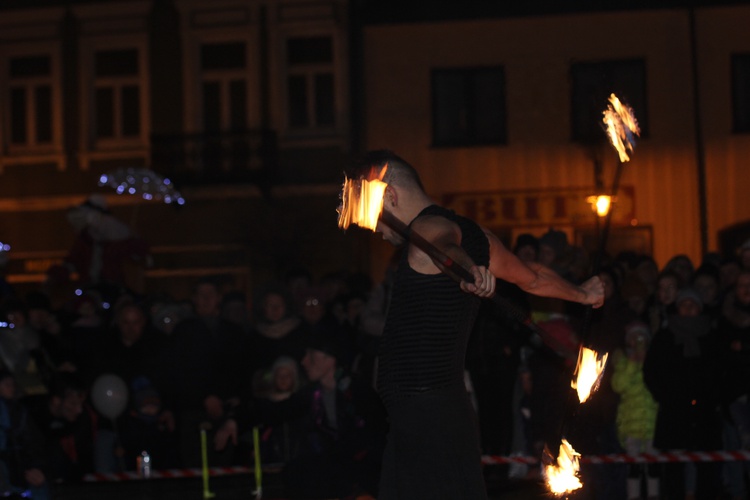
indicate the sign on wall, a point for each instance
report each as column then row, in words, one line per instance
column 538, row 207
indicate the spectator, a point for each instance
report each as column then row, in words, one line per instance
column 131, row 350
column 21, row 351
column 278, row 330
column 527, row 247
column 144, row 428
column 636, row 411
column 734, row 326
column 204, row 372
column 21, row 450
column 683, row 370
column 341, row 429
column 683, row 267
column 67, row 425
column 707, row 283
column 281, row 441
column 667, row 286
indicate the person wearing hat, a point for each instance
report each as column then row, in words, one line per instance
column 683, row 371
column 636, row 411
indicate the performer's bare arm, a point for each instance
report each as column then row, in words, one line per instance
column 534, row 278
column 539, row 280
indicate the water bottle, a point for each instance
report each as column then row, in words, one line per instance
column 144, row 465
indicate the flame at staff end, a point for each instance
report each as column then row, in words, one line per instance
column 588, row 372
column 562, row 478
column 621, row 127
column 362, row 201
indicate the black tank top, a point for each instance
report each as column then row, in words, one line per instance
column 429, row 320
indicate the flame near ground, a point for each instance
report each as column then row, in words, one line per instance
column 562, row 477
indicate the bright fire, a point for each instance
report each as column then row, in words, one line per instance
column 588, row 372
column 362, row 201
column 563, row 477
column 621, row 127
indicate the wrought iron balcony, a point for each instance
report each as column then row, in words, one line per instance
column 215, row 158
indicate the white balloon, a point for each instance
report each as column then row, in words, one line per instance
column 109, row 395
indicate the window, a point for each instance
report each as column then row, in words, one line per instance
column 310, row 83
column 224, row 86
column 117, row 94
column 468, row 106
column 741, row 93
column 592, row 84
column 30, row 101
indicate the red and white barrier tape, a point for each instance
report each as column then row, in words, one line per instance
column 166, row 474
column 668, row 457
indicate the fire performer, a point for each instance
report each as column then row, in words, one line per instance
column 433, row 446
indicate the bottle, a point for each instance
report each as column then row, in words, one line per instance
column 144, row 465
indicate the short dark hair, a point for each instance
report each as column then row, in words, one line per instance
column 399, row 172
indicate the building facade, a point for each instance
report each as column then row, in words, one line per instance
column 241, row 104
column 503, row 117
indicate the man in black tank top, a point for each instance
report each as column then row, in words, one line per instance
column 433, row 448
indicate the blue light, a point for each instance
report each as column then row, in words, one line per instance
column 78, row 292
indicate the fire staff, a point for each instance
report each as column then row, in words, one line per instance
column 433, row 447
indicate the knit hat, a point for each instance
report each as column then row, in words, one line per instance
column 688, row 294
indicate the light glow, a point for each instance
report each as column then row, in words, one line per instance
column 600, row 204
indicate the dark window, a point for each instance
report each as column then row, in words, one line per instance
column 310, row 50
column 43, row 110
column 593, row 83
column 468, row 106
column 18, row 118
column 105, row 113
column 298, row 116
column 211, row 107
column 223, row 56
column 741, row 92
column 23, row 67
column 116, row 62
column 131, row 111
column 237, row 105
column 324, row 106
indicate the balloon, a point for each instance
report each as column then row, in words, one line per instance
column 109, row 395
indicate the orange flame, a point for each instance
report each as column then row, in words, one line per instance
column 362, row 200
column 562, row 478
column 588, row 372
column 621, row 127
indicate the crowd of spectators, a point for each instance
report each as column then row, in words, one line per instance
column 297, row 358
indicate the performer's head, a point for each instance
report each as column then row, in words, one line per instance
column 404, row 197
column 399, row 172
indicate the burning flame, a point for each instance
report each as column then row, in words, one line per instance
column 588, row 372
column 621, row 127
column 362, row 201
column 563, row 477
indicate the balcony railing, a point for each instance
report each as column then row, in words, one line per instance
column 214, row 158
